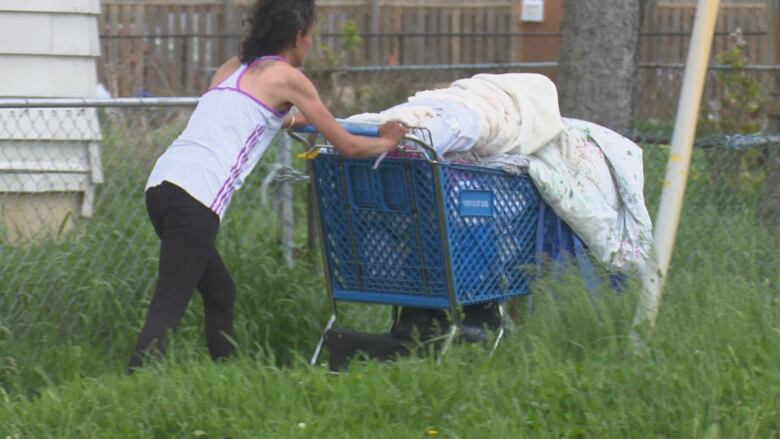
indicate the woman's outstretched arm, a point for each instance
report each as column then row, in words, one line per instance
column 304, row 95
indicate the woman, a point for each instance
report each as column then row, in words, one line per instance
column 191, row 185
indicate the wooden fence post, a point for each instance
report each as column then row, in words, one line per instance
column 456, row 40
column 515, row 42
column 375, row 20
column 419, row 42
column 230, row 26
column 773, row 21
column 139, row 49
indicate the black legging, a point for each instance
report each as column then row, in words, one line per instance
column 188, row 259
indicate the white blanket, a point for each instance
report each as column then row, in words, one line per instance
column 590, row 176
column 453, row 127
column 514, row 113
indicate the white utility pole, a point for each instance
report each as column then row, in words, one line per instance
column 654, row 276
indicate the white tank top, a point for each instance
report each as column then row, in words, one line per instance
column 225, row 138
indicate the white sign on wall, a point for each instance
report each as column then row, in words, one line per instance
column 533, row 11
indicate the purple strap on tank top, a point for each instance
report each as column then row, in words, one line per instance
column 237, row 87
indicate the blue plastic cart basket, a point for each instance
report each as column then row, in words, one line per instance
column 417, row 231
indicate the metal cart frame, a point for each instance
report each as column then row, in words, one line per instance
column 420, row 138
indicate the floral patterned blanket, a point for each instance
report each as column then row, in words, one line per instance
column 593, row 179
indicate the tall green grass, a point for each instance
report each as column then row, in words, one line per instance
column 709, row 371
column 71, row 306
column 70, row 310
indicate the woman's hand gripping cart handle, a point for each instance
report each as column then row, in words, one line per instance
column 367, row 130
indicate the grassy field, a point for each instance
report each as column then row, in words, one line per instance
column 711, row 371
column 71, row 310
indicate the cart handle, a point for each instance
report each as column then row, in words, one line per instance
column 362, row 129
column 355, row 129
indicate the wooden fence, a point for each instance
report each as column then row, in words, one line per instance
column 668, row 26
column 425, row 32
column 172, row 47
column 667, row 29
column 162, row 47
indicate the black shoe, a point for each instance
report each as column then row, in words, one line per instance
column 473, row 334
column 476, row 318
column 482, row 314
column 420, row 324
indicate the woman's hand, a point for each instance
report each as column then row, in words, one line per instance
column 393, row 132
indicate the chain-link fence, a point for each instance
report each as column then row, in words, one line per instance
column 72, row 215
column 73, row 224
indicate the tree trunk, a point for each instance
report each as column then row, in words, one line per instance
column 598, row 62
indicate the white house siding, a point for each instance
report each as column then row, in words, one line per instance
column 52, row 6
column 49, row 158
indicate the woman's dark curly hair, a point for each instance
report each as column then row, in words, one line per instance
column 274, row 26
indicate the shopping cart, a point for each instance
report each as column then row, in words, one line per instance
column 414, row 230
